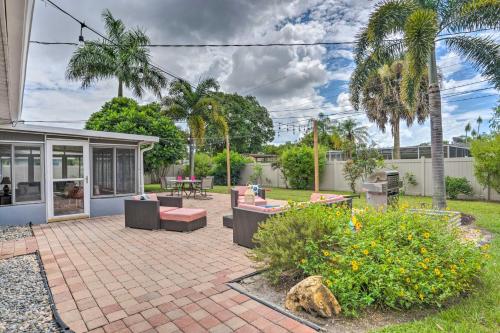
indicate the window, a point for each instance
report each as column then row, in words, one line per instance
column 125, row 171
column 27, row 173
column 102, row 172
column 5, row 174
column 113, row 171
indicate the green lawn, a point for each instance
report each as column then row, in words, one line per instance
column 480, row 312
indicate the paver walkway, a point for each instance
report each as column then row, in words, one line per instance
column 108, row 278
column 17, row 247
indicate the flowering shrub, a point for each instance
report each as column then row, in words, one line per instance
column 396, row 258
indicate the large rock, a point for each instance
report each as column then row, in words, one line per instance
column 312, row 296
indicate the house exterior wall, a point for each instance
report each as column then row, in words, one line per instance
column 36, row 212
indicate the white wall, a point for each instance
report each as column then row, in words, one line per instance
column 332, row 177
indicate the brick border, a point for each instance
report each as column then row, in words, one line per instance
column 55, row 314
column 235, row 285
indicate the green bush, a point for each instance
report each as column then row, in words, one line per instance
column 297, row 164
column 456, row 186
column 219, row 170
column 394, row 259
column 203, row 165
column 486, row 153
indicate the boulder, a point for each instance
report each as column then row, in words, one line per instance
column 312, row 296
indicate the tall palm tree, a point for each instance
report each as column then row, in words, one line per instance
column 382, row 102
column 197, row 107
column 468, row 127
column 479, row 121
column 422, row 23
column 473, row 133
column 123, row 56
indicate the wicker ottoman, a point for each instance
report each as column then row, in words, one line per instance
column 227, row 221
column 183, row 219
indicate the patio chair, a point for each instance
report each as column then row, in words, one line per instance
column 145, row 214
column 206, row 184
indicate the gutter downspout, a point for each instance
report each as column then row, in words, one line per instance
column 141, row 166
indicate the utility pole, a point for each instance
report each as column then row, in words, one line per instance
column 316, row 156
column 228, row 164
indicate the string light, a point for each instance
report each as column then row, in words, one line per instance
column 81, row 40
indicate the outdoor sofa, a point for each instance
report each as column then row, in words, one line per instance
column 237, row 197
column 153, row 212
column 246, row 218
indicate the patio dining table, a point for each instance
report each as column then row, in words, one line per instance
column 186, row 186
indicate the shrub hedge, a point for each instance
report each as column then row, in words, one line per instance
column 395, row 259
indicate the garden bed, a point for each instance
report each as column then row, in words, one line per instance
column 24, row 299
column 257, row 287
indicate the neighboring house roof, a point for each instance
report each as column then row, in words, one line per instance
column 15, row 28
column 79, row 133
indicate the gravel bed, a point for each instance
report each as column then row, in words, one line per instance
column 24, row 301
column 14, row 232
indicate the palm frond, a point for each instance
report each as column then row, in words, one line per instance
column 196, row 126
column 90, row 63
column 114, row 27
column 475, row 15
column 388, row 18
column 206, row 86
column 420, row 31
column 482, row 52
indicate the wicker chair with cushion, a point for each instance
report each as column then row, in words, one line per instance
column 143, row 212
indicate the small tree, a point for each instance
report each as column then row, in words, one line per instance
column 297, row 165
column 203, row 164
column 258, row 172
column 363, row 162
column 486, row 153
column 124, row 115
column 219, row 170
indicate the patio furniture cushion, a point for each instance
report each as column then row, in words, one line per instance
column 167, row 209
column 183, row 214
column 264, row 209
column 324, row 197
column 258, row 200
column 149, row 196
column 241, row 190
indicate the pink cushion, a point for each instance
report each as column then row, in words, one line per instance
column 241, row 189
column 167, row 209
column 258, row 200
column 261, row 208
column 325, row 197
column 183, row 214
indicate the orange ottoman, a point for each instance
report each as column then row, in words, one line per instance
column 183, row 219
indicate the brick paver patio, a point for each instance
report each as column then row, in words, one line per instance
column 106, row 278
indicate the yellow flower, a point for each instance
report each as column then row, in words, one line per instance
column 408, row 280
column 326, row 253
column 402, row 270
column 365, row 252
column 401, row 293
column 303, row 261
column 354, row 265
column 410, row 237
column 427, row 260
column 424, row 266
column 421, row 296
column 423, row 250
column 338, row 213
column 427, row 235
column 373, row 243
column 438, row 272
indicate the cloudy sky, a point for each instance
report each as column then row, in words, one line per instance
column 291, row 82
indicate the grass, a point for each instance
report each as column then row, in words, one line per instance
column 480, row 311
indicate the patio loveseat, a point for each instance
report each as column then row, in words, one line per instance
column 238, row 197
column 246, row 218
column 153, row 212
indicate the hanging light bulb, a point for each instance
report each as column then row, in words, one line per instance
column 81, row 40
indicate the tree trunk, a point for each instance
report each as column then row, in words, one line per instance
column 439, row 189
column 396, row 152
column 191, row 157
column 120, row 88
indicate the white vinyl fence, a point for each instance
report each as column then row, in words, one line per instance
column 332, row 177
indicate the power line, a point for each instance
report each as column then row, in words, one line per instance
column 466, row 92
column 477, row 97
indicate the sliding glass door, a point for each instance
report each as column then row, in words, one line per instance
column 67, row 179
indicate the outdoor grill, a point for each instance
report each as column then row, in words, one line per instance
column 382, row 187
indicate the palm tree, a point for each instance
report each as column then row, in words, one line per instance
column 351, row 135
column 122, row 56
column 479, row 121
column 197, row 107
column 468, row 127
column 422, row 23
column 473, row 133
column 380, row 98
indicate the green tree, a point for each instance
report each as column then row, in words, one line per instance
column 495, row 120
column 249, row 124
column 203, row 164
column 124, row 115
column 123, row 56
column 486, row 152
column 350, row 134
column 363, row 162
column 422, row 23
column 198, row 107
column 468, row 128
column 383, row 105
column 297, row 165
column 326, row 129
column 219, row 170
column 479, row 121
